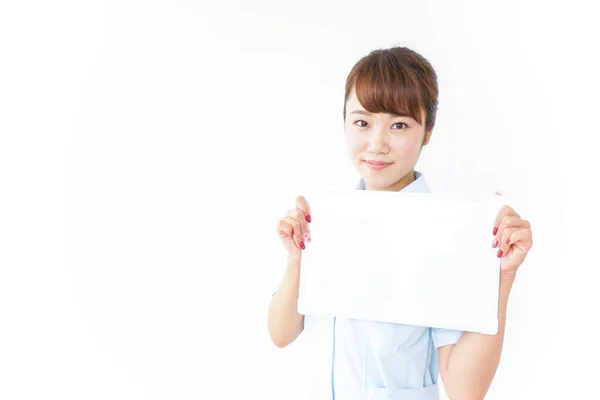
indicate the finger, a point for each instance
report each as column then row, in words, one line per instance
column 296, row 232
column 504, row 212
column 510, row 221
column 504, row 242
column 299, row 216
column 521, row 238
column 284, row 229
column 302, row 204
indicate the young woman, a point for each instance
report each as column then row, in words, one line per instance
column 389, row 112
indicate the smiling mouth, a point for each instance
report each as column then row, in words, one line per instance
column 377, row 165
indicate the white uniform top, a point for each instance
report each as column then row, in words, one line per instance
column 347, row 359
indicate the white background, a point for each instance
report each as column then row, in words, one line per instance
column 148, row 148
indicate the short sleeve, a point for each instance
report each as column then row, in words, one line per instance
column 443, row 337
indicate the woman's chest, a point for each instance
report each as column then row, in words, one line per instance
column 379, row 338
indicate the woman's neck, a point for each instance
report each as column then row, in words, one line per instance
column 398, row 186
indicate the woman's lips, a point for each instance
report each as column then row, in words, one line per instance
column 377, row 165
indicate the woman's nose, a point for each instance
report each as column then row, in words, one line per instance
column 378, row 141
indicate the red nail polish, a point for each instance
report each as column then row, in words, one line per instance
column 495, row 244
column 302, row 245
column 308, row 218
column 500, row 253
column 495, row 230
column 508, row 241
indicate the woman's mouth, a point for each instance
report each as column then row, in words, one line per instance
column 377, row 165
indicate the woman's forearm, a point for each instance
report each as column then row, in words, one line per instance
column 474, row 360
column 285, row 324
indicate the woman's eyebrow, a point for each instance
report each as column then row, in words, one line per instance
column 403, row 115
column 393, row 115
column 361, row 112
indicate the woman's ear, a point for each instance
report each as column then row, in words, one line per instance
column 427, row 137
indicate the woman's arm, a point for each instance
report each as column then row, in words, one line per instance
column 468, row 368
column 285, row 324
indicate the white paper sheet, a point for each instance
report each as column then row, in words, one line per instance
column 417, row 259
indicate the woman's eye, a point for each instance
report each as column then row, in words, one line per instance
column 360, row 123
column 399, row 125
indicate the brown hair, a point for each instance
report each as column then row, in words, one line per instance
column 398, row 81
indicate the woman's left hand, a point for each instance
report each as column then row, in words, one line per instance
column 512, row 237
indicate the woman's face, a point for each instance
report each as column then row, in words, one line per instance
column 383, row 147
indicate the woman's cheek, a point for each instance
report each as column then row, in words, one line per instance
column 354, row 143
column 407, row 144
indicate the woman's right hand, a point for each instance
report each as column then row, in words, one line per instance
column 293, row 229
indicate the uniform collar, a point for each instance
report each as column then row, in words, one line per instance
column 419, row 185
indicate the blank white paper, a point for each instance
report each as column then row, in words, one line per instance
column 416, row 259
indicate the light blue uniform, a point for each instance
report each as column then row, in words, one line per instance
column 348, row 359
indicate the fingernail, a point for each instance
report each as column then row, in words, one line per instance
column 500, row 253
column 302, row 246
column 306, row 236
column 495, row 244
column 308, row 218
column 508, row 241
column 495, row 230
